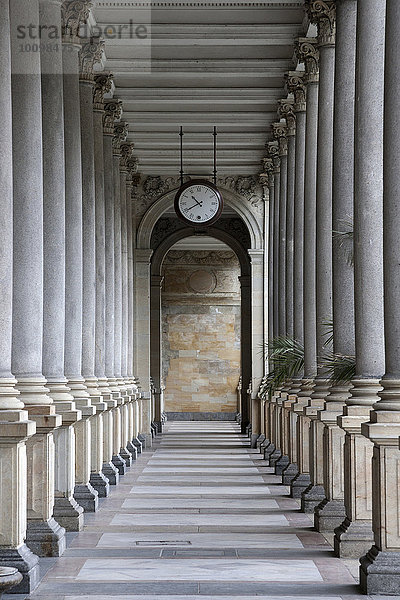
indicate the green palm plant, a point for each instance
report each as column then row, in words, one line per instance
column 339, row 367
column 286, row 359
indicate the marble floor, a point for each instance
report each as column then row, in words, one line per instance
column 199, row 515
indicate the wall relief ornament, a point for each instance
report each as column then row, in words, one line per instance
column 202, row 257
column 74, row 14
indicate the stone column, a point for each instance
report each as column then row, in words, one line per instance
column 257, row 337
column 91, row 53
column 15, row 428
column 289, row 449
column 113, row 111
column 279, row 131
column 307, row 52
column 330, row 512
column 142, row 339
column 355, row 533
column 120, row 134
column 286, row 112
column 346, row 544
column 44, row 536
column 269, row 170
column 379, row 572
column 293, row 474
column 273, row 152
column 102, row 85
column 126, row 155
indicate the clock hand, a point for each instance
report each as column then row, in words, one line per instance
column 194, row 205
column 199, row 203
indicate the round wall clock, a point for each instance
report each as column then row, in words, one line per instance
column 198, row 202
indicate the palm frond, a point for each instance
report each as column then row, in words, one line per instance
column 344, row 239
column 328, row 326
column 286, row 359
column 339, row 367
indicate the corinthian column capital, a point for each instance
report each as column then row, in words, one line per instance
column 102, row 85
column 286, row 111
column 295, row 85
column 268, row 169
column 112, row 113
column 132, row 165
column 307, row 52
column 74, row 13
column 273, row 153
column 323, row 14
column 126, row 152
column 90, row 54
column 120, row 134
column 280, row 134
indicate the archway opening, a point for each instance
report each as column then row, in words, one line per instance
column 201, row 330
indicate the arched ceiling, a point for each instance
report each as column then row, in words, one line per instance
column 199, row 64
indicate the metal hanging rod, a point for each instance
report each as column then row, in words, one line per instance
column 214, row 175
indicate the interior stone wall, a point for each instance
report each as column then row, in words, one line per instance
column 201, row 331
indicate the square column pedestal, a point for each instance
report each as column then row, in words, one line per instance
column 15, row 429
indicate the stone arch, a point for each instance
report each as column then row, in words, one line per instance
column 166, row 201
column 155, row 304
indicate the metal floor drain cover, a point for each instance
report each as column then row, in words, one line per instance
column 165, row 543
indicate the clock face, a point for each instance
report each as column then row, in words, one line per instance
column 198, row 202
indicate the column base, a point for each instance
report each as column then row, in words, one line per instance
column 311, row 497
column 353, row 539
column 126, row 456
column 138, row 445
column 329, row 514
column 260, row 440
column 45, row 538
column 299, row 485
column 289, row 473
column 119, row 463
column 87, row 497
column 133, row 450
column 111, row 473
column 146, row 439
column 100, row 483
column 68, row 513
column 281, row 464
column 274, row 457
column 253, row 440
column 268, row 451
column 380, row 573
column 264, row 444
column 27, row 564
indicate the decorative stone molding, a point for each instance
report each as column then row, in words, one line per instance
column 323, row 14
column 168, row 225
column 247, row 187
column 273, row 153
column 74, row 14
column 295, row 85
column 267, row 176
column 306, row 50
column 102, row 85
column 201, row 257
column 112, row 113
column 286, row 111
column 90, row 54
column 132, row 165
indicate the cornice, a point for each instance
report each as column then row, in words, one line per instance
column 200, row 5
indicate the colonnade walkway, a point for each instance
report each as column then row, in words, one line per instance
column 198, row 516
